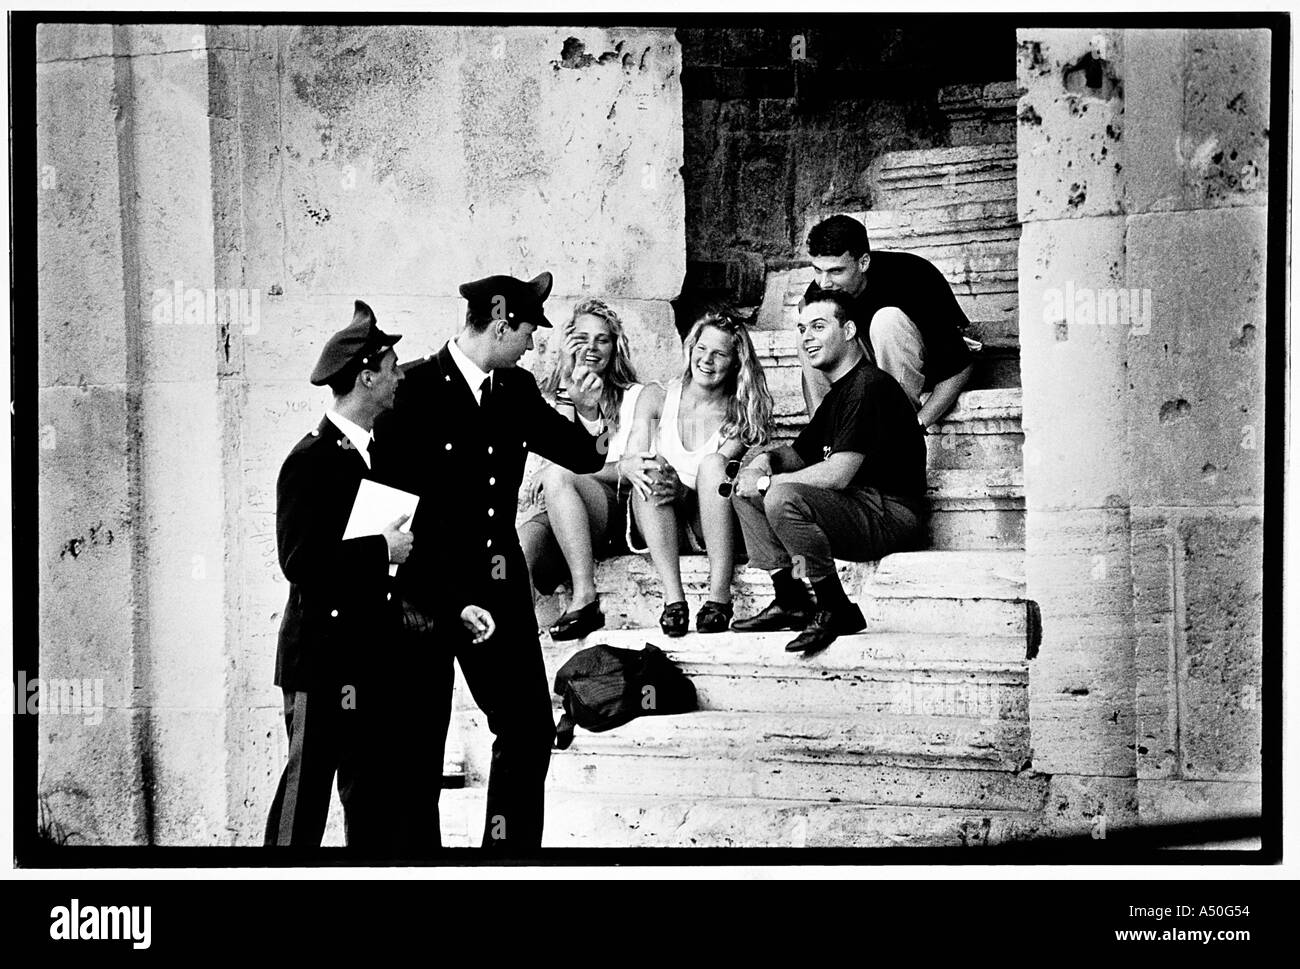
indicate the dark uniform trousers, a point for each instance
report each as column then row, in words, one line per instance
column 506, row 677
column 466, row 461
column 339, row 635
column 824, row 524
column 327, row 740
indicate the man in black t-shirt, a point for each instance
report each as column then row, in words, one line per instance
column 852, row 486
column 909, row 321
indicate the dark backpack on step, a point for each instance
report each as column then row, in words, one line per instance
column 604, row 687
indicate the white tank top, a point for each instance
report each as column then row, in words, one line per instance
column 668, row 440
column 626, row 412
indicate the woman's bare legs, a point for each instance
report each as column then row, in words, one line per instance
column 576, row 506
column 718, row 523
column 540, row 552
column 658, row 524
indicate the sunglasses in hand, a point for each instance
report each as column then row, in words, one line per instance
column 727, row 487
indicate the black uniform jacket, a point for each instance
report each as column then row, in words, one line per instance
column 341, row 603
column 466, row 462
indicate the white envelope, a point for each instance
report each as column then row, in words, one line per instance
column 377, row 505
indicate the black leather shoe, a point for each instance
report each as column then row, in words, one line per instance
column 775, row 616
column 824, row 629
column 713, row 617
column 676, row 619
column 577, row 623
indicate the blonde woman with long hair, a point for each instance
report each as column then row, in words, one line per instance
column 583, row 514
column 683, row 438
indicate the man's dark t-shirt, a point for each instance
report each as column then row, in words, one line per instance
column 868, row 413
column 919, row 289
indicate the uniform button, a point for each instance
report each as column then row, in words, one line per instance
column 390, row 597
column 489, row 545
column 447, row 378
column 492, row 481
column 334, row 613
column 525, row 444
column 491, row 512
column 449, row 445
column 489, row 449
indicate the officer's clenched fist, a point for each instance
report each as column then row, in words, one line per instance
column 478, row 621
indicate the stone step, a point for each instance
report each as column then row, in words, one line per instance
column 978, row 592
column 943, row 176
column 994, row 218
column 885, row 650
column 595, row 820
column 914, row 740
column 980, row 114
column 867, row 674
column 702, row 778
column 984, row 523
column 952, row 446
column 949, row 487
column 943, row 591
column 950, row 575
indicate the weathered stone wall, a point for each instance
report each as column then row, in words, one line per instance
column 1143, row 170
column 218, row 198
column 783, row 122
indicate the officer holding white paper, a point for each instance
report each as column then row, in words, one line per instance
column 342, row 618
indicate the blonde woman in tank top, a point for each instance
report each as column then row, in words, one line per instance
column 582, row 517
column 682, row 438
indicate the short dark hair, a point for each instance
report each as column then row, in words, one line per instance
column 844, row 308
column 345, row 381
column 837, row 235
column 478, row 322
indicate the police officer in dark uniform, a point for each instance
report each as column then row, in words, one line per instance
column 465, row 421
column 342, row 614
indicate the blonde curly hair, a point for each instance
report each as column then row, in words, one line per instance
column 618, row 376
column 749, row 411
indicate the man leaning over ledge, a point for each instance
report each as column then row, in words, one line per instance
column 465, row 421
column 852, row 486
column 909, row 322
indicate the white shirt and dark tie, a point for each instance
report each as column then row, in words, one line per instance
column 354, row 432
column 479, row 381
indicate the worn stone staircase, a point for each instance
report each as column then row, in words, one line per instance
column 914, row 732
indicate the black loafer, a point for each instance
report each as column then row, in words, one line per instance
column 713, row 617
column 577, row 623
column 676, row 619
column 824, row 629
column 775, row 616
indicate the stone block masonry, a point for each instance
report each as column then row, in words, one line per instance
column 1142, row 167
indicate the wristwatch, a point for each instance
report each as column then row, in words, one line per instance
column 762, row 484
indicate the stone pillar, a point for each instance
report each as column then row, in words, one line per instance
column 90, row 777
column 131, row 320
column 1142, row 172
